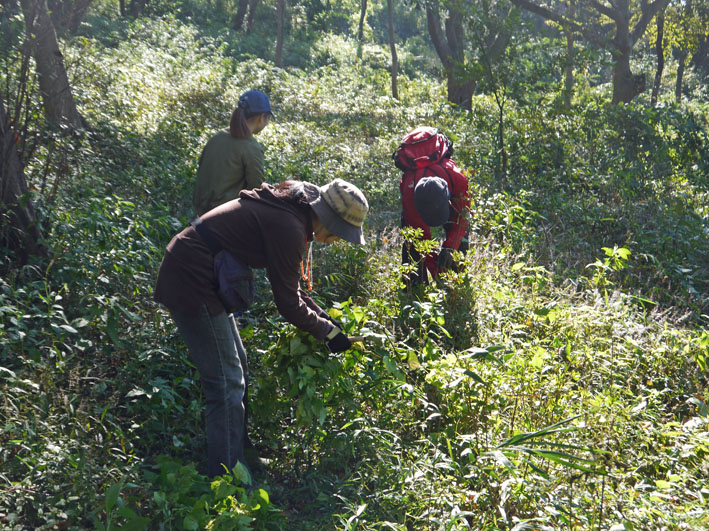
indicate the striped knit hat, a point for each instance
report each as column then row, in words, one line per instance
column 341, row 208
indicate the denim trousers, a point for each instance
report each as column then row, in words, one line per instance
column 216, row 349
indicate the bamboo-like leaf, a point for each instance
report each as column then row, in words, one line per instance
column 474, row 376
column 544, row 431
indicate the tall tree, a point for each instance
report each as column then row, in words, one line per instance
column 360, row 30
column 67, row 15
column 137, row 7
column 628, row 22
column 244, row 7
column 569, row 68
column 280, row 14
column 687, row 24
column 250, row 18
column 461, row 66
column 59, row 106
column 18, row 221
column 660, row 52
column 392, row 46
column 240, row 14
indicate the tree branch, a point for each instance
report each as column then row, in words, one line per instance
column 587, row 33
column 439, row 43
column 612, row 14
column 648, row 12
column 454, row 34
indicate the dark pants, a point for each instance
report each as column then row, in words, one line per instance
column 409, row 255
column 419, row 275
column 217, row 351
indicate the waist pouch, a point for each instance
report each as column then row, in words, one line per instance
column 235, row 280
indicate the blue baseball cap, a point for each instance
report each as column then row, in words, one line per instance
column 431, row 199
column 255, row 102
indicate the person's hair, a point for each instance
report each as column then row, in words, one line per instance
column 238, row 128
column 287, row 189
column 293, row 192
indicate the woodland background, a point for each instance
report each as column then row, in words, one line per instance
column 557, row 382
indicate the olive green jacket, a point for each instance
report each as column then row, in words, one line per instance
column 227, row 166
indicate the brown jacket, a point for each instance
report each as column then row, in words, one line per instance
column 262, row 230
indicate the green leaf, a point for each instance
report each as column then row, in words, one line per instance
column 549, row 429
column 112, row 496
column 80, row 322
column 413, row 361
column 133, row 521
column 474, row 376
column 241, row 473
column 190, row 523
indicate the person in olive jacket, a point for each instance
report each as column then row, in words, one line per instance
column 232, row 160
column 264, row 228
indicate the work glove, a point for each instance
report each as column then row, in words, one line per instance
column 445, row 259
column 337, row 341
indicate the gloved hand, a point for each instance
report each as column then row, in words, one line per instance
column 445, row 259
column 339, row 342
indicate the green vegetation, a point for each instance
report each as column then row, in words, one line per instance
column 558, row 382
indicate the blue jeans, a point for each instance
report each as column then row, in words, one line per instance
column 217, row 351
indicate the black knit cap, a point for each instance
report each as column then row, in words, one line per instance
column 431, row 199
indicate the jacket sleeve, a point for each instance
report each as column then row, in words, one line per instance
column 283, row 270
column 457, row 227
column 253, row 166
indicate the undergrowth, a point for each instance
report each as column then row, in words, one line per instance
column 557, row 381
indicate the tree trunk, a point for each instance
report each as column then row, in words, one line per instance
column 18, row 222
column 569, row 78
column 360, row 31
column 681, row 62
column 460, row 91
column 660, row 52
column 59, row 106
column 700, row 59
column 625, row 85
column 450, row 50
column 250, row 18
column 240, row 14
column 280, row 13
column 122, row 7
column 501, row 138
column 137, row 7
column 68, row 14
column 392, row 45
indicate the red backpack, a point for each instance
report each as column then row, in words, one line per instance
column 422, row 147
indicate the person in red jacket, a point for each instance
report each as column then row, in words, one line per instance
column 434, row 192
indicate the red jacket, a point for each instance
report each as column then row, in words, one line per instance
column 457, row 225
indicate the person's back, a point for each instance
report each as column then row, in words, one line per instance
column 232, row 160
column 227, row 166
column 424, row 158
